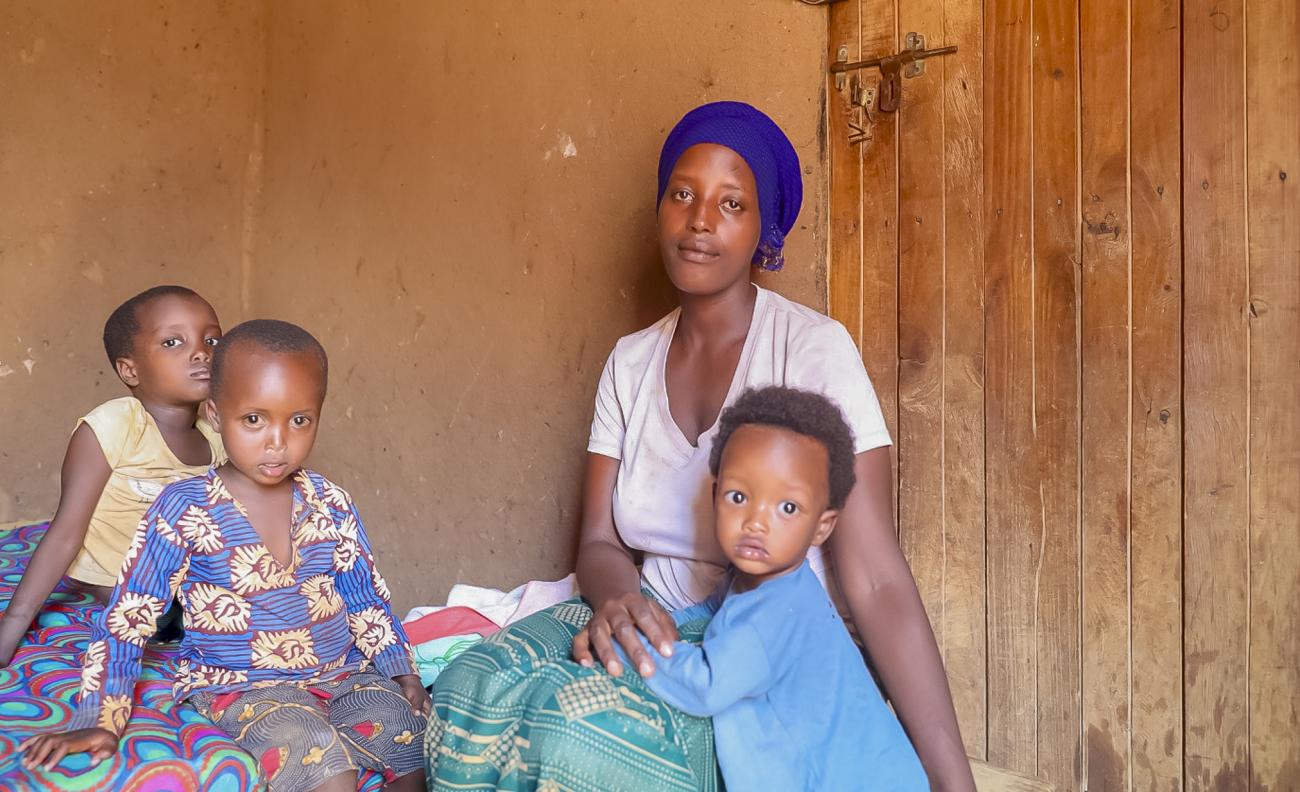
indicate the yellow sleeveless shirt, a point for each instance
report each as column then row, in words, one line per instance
column 142, row 465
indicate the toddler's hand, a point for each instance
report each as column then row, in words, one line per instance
column 48, row 750
column 415, row 693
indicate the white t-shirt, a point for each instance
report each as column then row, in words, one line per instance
column 663, row 498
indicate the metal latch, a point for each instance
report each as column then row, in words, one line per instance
column 893, row 68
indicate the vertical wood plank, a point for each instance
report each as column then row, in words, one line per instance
column 880, row 231
column 963, row 371
column 1104, row 350
column 1157, row 415
column 845, row 279
column 1013, row 513
column 1215, row 397
column 1273, row 168
column 920, row 319
column 1054, row 373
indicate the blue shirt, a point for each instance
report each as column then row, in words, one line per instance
column 250, row 621
column 792, row 702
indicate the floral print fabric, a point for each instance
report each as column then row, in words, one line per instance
column 304, row 736
column 250, row 621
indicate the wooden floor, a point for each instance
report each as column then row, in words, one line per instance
column 1072, row 263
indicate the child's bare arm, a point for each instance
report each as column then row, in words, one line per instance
column 85, row 472
column 48, row 750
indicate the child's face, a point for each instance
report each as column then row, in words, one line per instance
column 268, row 410
column 171, row 355
column 709, row 220
column 771, row 500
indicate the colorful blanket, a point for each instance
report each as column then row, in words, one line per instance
column 166, row 747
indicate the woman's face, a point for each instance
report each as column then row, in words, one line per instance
column 709, row 221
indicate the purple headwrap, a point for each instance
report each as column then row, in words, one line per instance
column 769, row 154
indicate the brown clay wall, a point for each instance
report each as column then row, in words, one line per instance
column 126, row 130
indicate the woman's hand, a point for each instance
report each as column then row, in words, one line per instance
column 622, row 618
column 414, row 692
column 47, row 750
column 607, row 576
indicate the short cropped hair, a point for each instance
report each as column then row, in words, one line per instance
column 273, row 336
column 802, row 412
column 124, row 322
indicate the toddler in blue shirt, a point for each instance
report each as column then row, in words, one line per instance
column 792, row 702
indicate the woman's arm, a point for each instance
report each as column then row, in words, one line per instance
column 889, row 615
column 85, row 472
column 609, row 581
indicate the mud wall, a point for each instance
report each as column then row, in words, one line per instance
column 125, row 137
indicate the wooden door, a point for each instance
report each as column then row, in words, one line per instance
column 1072, row 263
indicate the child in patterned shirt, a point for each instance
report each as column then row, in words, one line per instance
column 290, row 645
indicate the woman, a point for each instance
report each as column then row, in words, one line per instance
column 514, row 712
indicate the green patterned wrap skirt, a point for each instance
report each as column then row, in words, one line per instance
column 516, row 713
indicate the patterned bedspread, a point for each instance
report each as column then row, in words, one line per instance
column 166, row 747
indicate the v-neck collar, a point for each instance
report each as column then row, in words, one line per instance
column 302, row 508
column 675, row 433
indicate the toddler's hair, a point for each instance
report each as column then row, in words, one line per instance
column 802, row 412
column 271, row 335
column 123, row 323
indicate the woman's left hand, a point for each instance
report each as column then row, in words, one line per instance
column 415, row 693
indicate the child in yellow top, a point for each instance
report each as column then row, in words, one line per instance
column 126, row 450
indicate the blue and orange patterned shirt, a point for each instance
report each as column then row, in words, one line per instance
column 249, row 621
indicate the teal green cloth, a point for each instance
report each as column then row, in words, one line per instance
column 515, row 713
